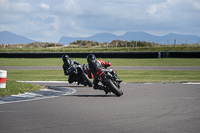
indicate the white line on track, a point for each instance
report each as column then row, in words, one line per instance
column 189, row 83
column 38, row 95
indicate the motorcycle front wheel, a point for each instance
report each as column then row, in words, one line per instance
column 86, row 80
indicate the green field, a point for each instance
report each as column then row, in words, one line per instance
column 114, row 61
column 162, row 76
column 125, row 75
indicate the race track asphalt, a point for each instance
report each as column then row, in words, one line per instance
column 144, row 108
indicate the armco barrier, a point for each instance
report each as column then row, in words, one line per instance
column 82, row 55
column 106, row 55
column 181, row 55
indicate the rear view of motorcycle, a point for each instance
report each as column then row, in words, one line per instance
column 110, row 82
column 78, row 75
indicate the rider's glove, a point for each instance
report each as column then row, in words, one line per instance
column 108, row 64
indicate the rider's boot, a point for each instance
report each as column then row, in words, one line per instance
column 100, row 87
column 117, row 78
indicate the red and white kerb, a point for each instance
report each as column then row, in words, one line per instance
column 3, row 76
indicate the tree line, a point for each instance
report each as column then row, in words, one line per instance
column 89, row 44
column 114, row 43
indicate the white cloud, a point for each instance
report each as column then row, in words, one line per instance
column 15, row 6
column 196, row 5
column 44, row 6
column 69, row 8
column 4, row 5
column 52, row 19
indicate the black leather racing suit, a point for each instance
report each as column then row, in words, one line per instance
column 69, row 65
column 95, row 67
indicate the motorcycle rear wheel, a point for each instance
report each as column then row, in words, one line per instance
column 113, row 88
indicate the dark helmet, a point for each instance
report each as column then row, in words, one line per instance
column 91, row 57
column 65, row 58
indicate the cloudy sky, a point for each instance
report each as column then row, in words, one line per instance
column 49, row 20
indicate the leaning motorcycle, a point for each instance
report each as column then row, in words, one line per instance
column 78, row 73
column 110, row 82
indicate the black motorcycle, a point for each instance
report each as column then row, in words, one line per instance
column 110, row 82
column 78, row 74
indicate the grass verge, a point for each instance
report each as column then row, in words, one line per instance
column 125, row 75
column 13, row 87
column 163, row 76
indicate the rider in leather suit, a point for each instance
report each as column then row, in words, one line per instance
column 66, row 64
column 94, row 68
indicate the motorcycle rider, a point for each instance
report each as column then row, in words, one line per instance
column 68, row 63
column 94, row 69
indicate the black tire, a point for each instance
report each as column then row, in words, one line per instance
column 86, row 80
column 113, row 88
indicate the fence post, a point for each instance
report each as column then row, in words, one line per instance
column 199, row 43
column 136, row 44
column 175, row 43
column 107, row 45
column 80, row 44
column 38, row 46
column 186, row 43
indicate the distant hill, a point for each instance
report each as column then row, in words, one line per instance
column 11, row 38
column 138, row 36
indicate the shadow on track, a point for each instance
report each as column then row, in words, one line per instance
column 93, row 95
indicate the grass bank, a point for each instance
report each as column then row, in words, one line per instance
column 156, row 48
